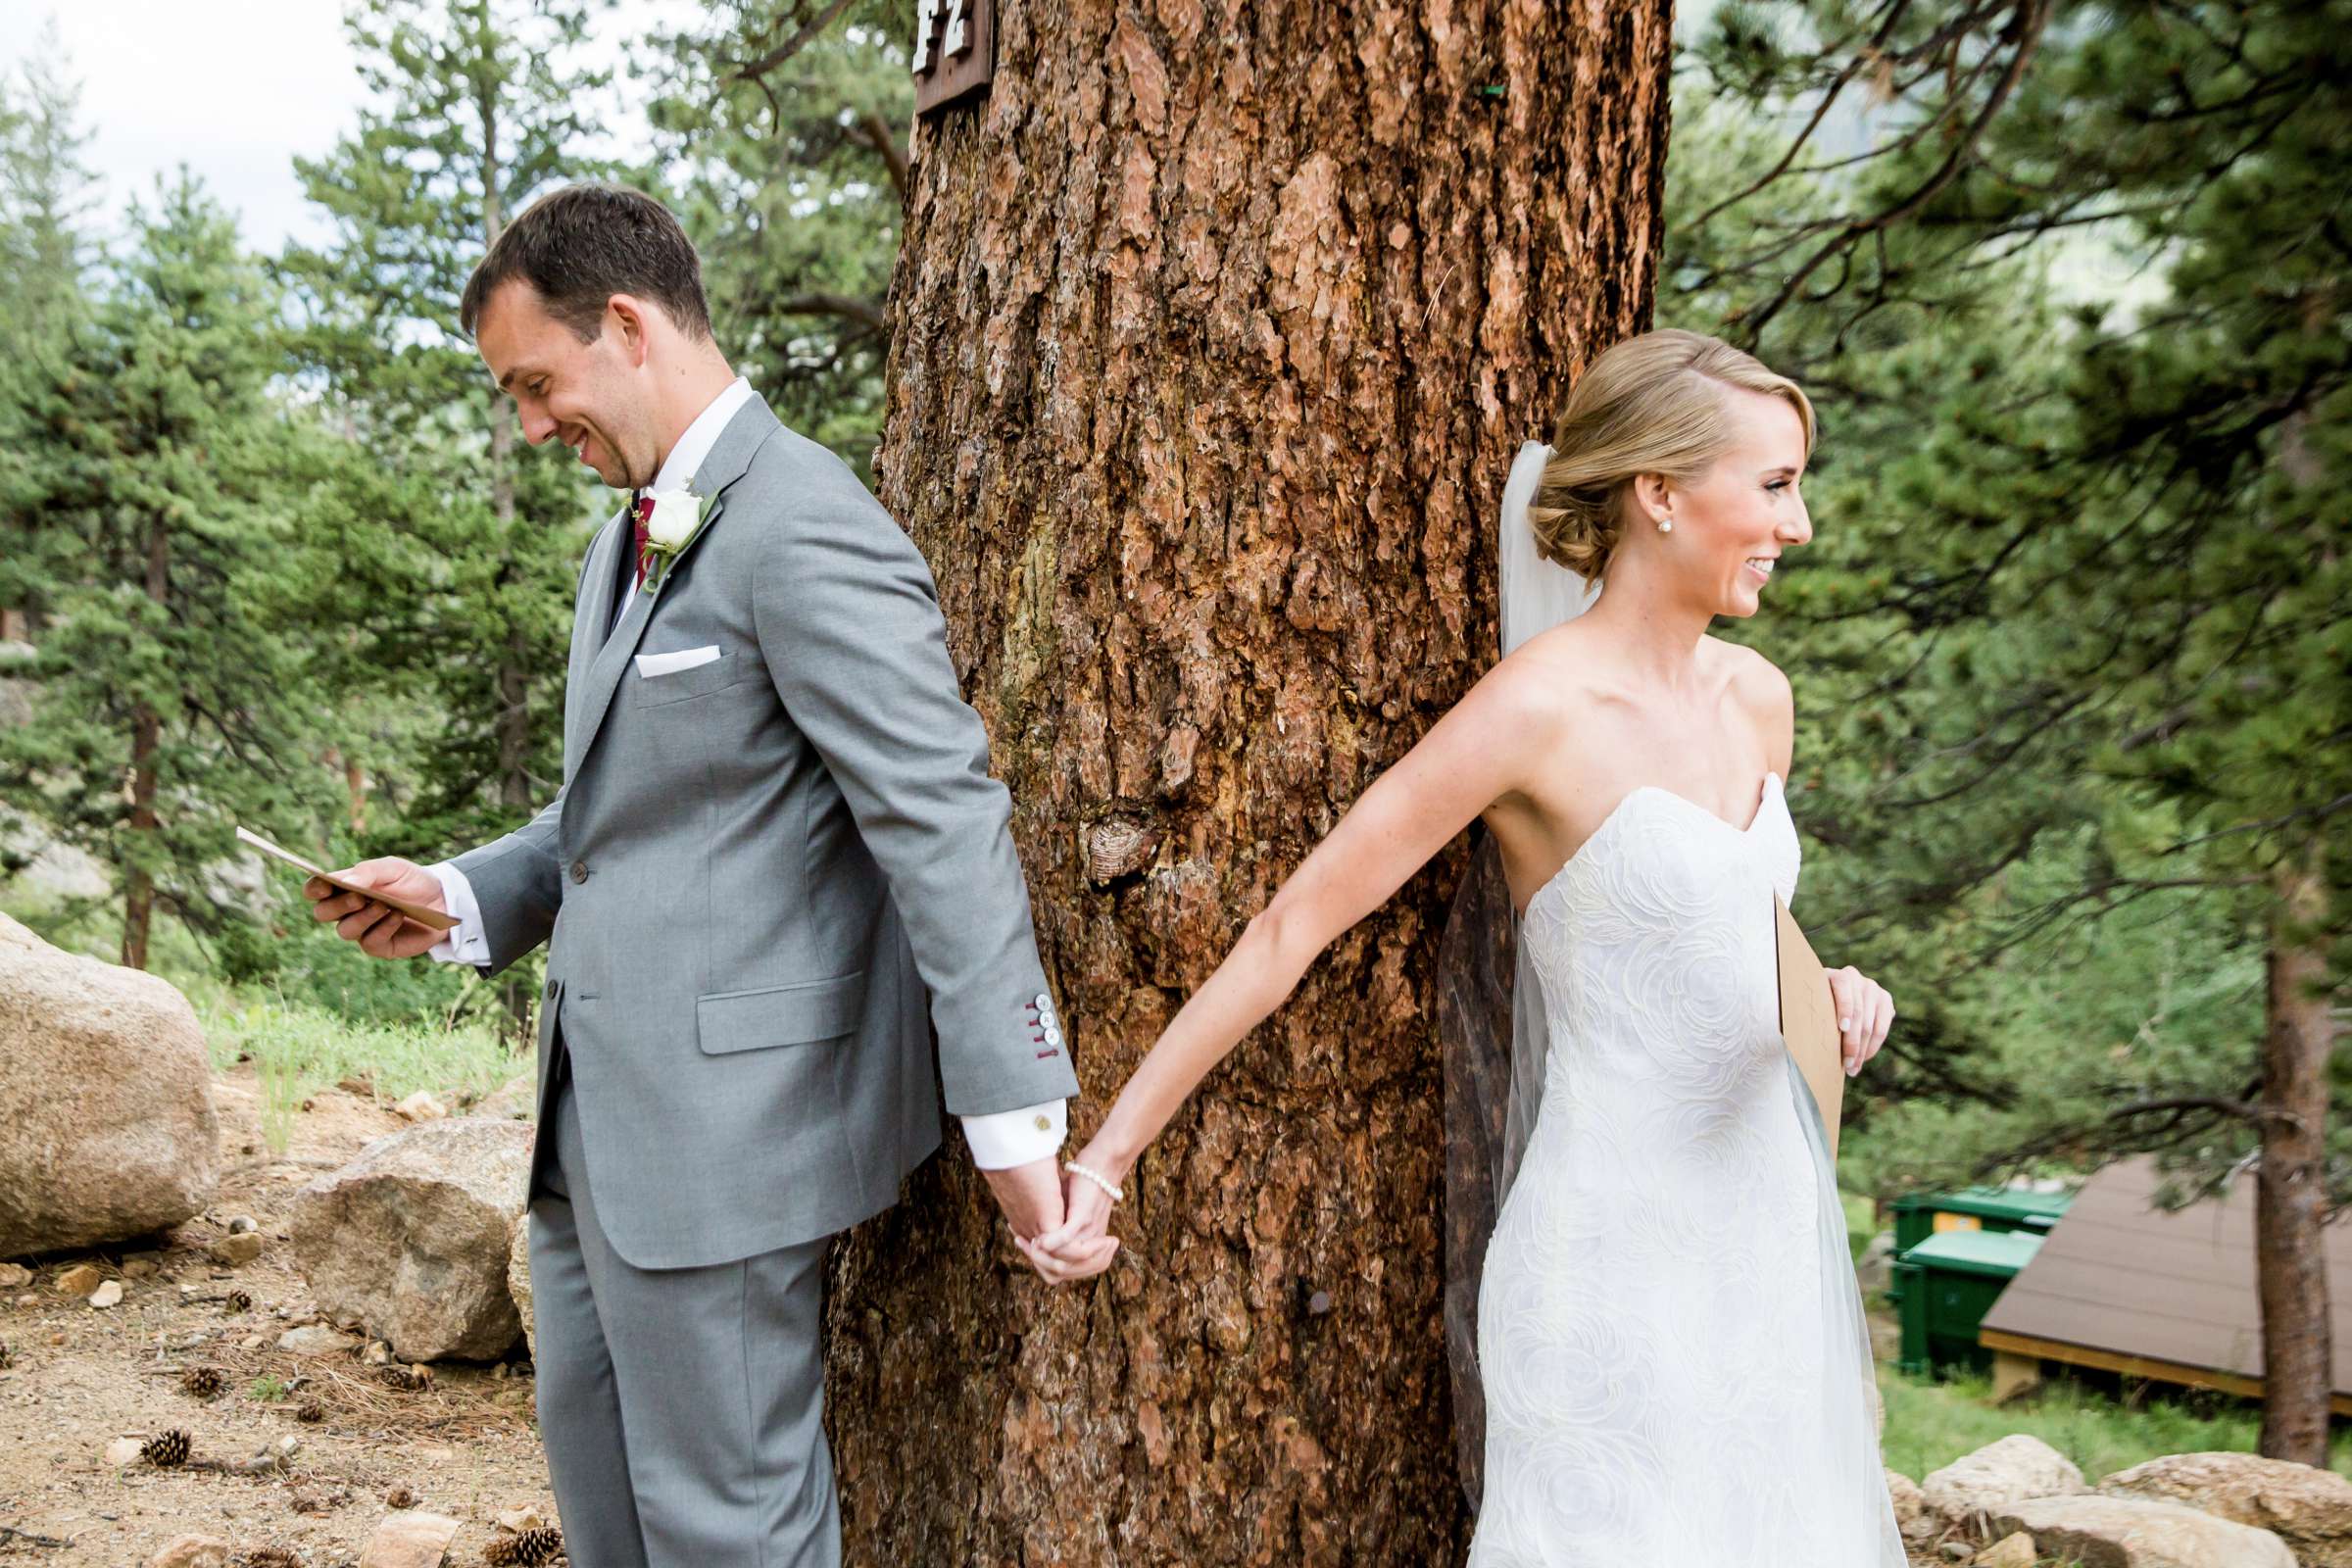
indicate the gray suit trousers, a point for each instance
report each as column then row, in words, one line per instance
column 682, row 1409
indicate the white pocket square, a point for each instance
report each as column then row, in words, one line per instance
column 652, row 664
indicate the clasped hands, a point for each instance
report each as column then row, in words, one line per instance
column 1059, row 1220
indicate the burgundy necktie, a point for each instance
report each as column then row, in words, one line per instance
column 641, row 508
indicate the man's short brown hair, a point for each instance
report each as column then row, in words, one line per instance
column 579, row 246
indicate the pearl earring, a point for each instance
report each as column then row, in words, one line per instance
column 1665, row 525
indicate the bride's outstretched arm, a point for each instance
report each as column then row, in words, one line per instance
column 1483, row 749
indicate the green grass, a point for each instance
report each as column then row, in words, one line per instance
column 298, row 1048
column 2102, row 1424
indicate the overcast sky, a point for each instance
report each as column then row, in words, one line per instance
column 235, row 88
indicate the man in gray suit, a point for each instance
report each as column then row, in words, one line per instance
column 777, row 861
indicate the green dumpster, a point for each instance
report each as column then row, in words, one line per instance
column 1945, row 1284
column 1920, row 1215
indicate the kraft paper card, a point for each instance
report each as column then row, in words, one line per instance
column 418, row 912
column 1809, row 1020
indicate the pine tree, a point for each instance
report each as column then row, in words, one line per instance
column 785, row 124
column 171, row 692
column 479, row 106
column 2139, row 557
column 44, row 200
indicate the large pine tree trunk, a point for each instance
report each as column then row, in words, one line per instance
column 2290, row 1190
column 1214, row 330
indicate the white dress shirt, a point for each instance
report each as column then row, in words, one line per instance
column 998, row 1140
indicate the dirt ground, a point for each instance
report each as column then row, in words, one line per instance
column 77, row 1377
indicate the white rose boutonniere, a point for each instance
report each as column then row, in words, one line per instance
column 675, row 519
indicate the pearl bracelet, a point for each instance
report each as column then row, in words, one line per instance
column 1109, row 1186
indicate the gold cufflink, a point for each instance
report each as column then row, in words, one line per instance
column 1045, row 1124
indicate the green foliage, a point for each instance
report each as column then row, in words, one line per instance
column 2070, row 644
column 784, row 175
column 479, row 107
column 171, row 539
column 44, row 198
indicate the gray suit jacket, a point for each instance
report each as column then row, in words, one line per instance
column 767, row 876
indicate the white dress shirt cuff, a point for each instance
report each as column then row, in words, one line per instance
column 463, row 942
column 1003, row 1139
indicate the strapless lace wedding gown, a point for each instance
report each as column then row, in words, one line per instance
column 1669, row 1329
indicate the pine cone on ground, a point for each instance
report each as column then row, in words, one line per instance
column 528, row 1549
column 203, row 1381
column 236, row 1301
column 400, row 1497
column 166, row 1450
column 310, row 1411
column 8, row 1357
column 410, row 1378
column 268, row 1557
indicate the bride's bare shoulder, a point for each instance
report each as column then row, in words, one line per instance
column 1555, row 663
column 1544, row 687
column 1761, row 689
column 1747, row 665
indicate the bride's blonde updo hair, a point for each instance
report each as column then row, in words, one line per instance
column 1652, row 404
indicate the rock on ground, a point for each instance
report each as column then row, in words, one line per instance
column 515, row 1100
column 2309, row 1509
column 411, row 1539
column 110, row 1131
column 2009, row 1470
column 191, row 1552
column 316, row 1338
column 518, row 1282
column 2013, row 1551
column 411, row 1241
column 2135, row 1532
column 1912, row 1516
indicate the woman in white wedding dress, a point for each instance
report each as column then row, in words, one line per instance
column 1669, row 1332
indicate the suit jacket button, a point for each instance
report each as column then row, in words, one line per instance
column 579, row 871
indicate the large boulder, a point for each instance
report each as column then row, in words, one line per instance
column 515, row 1100
column 2099, row 1531
column 109, row 1130
column 2009, row 1470
column 2309, row 1509
column 518, row 1282
column 409, row 1240
column 1912, row 1516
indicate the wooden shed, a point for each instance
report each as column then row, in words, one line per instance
column 2123, row 1286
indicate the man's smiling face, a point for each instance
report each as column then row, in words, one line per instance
column 591, row 396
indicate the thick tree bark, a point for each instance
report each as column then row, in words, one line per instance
column 1214, row 335
column 2290, row 1190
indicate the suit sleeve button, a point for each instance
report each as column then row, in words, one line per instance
column 579, row 871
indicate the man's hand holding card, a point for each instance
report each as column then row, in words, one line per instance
column 391, row 907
